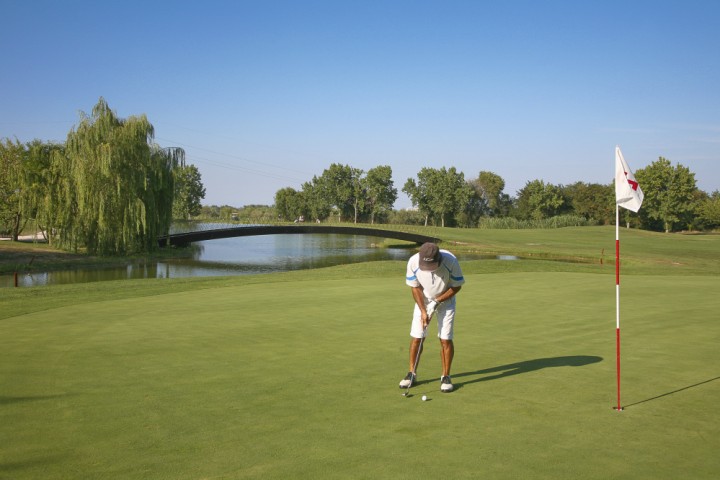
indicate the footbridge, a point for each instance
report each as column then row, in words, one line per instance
column 183, row 239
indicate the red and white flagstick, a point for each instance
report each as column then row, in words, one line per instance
column 628, row 194
column 617, row 299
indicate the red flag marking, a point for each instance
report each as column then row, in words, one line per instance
column 632, row 183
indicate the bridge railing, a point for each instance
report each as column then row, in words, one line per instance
column 214, row 232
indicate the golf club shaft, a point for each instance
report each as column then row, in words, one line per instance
column 417, row 358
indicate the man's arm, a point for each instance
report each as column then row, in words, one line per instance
column 419, row 296
column 448, row 294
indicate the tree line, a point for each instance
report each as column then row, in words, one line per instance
column 348, row 193
column 443, row 197
column 109, row 189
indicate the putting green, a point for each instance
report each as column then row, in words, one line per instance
column 298, row 379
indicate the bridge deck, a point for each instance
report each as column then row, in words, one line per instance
column 182, row 239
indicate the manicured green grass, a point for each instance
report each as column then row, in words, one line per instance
column 295, row 375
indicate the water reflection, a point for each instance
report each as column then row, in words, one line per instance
column 235, row 256
column 242, row 256
column 139, row 270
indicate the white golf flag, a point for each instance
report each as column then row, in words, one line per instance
column 628, row 193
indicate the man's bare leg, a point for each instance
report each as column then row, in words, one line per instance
column 447, row 352
column 415, row 345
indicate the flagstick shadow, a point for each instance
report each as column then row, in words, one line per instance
column 671, row 393
column 5, row 400
column 527, row 366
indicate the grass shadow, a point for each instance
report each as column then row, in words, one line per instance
column 671, row 393
column 9, row 400
column 526, row 366
column 19, row 465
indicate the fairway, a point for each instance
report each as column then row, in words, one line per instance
column 289, row 379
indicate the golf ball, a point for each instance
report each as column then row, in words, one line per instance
column 424, row 397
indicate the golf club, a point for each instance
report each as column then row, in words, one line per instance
column 417, row 357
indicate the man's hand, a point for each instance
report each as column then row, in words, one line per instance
column 430, row 309
column 425, row 320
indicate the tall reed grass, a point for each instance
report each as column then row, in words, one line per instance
column 552, row 222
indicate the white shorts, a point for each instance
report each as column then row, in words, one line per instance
column 445, row 318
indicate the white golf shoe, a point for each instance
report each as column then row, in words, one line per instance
column 446, row 385
column 408, row 381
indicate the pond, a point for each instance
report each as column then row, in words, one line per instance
column 235, row 256
column 250, row 255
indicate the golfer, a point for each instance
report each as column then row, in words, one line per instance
column 435, row 278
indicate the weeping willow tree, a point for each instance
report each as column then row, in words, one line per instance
column 115, row 186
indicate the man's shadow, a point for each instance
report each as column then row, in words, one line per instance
column 524, row 367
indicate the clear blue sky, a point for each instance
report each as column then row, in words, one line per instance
column 266, row 94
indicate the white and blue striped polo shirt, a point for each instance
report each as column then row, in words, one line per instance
column 435, row 283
